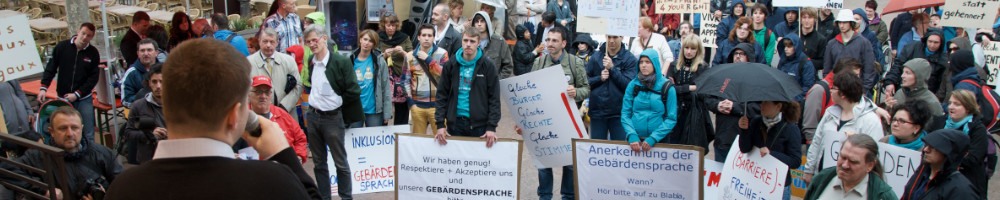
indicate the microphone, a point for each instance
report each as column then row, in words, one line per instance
column 253, row 126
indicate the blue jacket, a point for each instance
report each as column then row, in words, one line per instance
column 726, row 24
column 645, row 114
column 132, row 82
column 606, row 96
column 967, row 74
column 784, row 143
column 791, row 65
column 238, row 41
column 726, row 45
column 783, row 27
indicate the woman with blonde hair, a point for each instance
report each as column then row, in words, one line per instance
column 682, row 72
column 963, row 115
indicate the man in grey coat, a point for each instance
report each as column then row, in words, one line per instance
column 17, row 113
column 279, row 67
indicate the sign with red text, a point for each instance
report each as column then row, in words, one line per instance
column 711, row 177
column 612, row 170
column 17, row 49
column 370, row 153
column 548, row 117
column 898, row 164
column 750, row 176
column 969, row 13
column 464, row 168
column 682, row 6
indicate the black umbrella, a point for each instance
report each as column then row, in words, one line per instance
column 747, row 82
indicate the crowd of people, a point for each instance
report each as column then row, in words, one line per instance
column 915, row 84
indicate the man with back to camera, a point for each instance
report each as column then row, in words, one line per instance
column 136, row 32
column 207, row 96
column 74, row 62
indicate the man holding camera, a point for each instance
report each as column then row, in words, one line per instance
column 90, row 167
column 145, row 124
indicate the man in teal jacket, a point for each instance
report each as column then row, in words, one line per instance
column 645, row 115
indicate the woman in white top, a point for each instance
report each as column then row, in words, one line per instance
column 650, row 40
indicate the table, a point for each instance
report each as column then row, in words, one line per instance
column 8, row 13
column 90, row 4
column 47, row 23
column 33, row 87
column 161, row 16
column 124, row 10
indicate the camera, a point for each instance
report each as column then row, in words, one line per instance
column 93, row 187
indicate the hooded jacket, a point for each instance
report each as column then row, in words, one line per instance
column 797, row 65
column 646, row 115
column 746, row 49
column 857, row 48
column 963, row 67
column 606, row 95
column 947, row 183
column 524, row 54
column 728, row 46
column 938, row 61
column 814, row 44
column 591, row 44
column 726, row 24
column 865, row 121
column 144, row 108
column 870, row 36
column 921, row 71
column 238, row 41
column 497, row 49
column 484, row 95
column 783, row 27
column 383, row 86
column 881, row 30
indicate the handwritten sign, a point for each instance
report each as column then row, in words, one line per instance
column 899, row 164
column 800, row 3
column 682, row 6
column 751, row 176
column 462, row 169
column 369, row 153
column 831, row 149
column 969, row 13
column 709, row 24
column 17, row 49
column 992, row 54
column 546, row 115
column 610, row 17
column 710, row 179
column 611, row 170
column 834, row 4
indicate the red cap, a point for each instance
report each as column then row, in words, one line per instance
column 260, row 80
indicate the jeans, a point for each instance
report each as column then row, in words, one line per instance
column 422, row 117
column 371, row 120
column 327, row 130
column 545, row 183
column 601, row 128
column 461, row 128
column 788, row 192
column 86, row 108
column 402, row 113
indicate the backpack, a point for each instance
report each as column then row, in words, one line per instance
column 663, row 94
column 827, row 99
column 988, row 105
column 991, row 156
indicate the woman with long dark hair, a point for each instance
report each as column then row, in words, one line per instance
column 180, row 29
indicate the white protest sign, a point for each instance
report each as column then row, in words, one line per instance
column 610, row 17
column 800, row 3
column 462, row 169
column 710, row 178
column 611, row 170
column 831, row 149
column 992, row 54
column 547, row 117
column 709, row 24
column 682, row 6
column 369, row 153
column 751, row 176
column 17, row 49
column 899, row 164
column 969, row 13
column 834, row 4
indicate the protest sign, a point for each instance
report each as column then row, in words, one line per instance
column 992, row 54
column 899, row 164
column 752, row 176
column 17, row 49
column 798, row 185
column 547, row 116
column 611, row 170
column 711, row 177
column 462, row 169
column 369, row 154
column 800, row 3
column 831, row 149
column 682, row 6
column 834, row 4
column 969, row 13
column 610, row 17
column 709, row 24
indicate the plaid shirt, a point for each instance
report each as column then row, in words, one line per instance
column 289, row 29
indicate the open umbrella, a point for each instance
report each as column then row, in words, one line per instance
column 747, row 82
column 499, row 4
column 904, row 5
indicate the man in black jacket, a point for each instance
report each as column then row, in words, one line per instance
column 84, row 161
column 148, row 107
column 813, row 41
column 128, row 47
column 197, row 161
column 930, row 48
column 75, row 62
column 468, row 96
column 447, row 37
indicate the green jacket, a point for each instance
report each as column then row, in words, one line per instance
column 574, row 67
column 307, row 64
column 340, row 73
column 877, row 188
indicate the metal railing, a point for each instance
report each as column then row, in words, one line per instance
column 54, row 172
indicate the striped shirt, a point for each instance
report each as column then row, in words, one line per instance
column 289, row 29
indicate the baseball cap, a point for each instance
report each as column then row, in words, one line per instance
column 260, row 80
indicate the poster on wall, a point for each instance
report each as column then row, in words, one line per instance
column 343, row 25
column 379, row 8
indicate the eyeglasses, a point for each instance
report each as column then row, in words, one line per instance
column 261, row 92
column 895, row 120
column 740, row 53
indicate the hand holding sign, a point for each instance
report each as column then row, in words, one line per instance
column 441, row 136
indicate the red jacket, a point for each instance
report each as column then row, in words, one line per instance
column 296, row 138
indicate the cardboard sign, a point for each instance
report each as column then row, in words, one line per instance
column 749, row 176
column 682, row 6
column 17, row 49
column 609, row 17
column 547, row 116
column 834, row 4
column 709, row 24
column 969, row 13
column 899, row 164
column 992, row 54
column 462, row 169
column 369, row 153
column 800, row 3
column 611, row 170
column 710, row 178
column 831, row 149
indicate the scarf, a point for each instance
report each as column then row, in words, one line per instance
column 395, row 40
column 647, row 80
column 771, row 122
column 914, row 145
column 466, row 62
column 928, row 52
column 951, row 124
column 79, row 154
